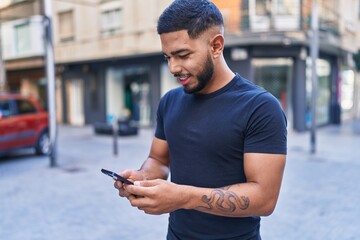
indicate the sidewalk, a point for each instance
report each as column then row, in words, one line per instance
column 318, row 200
column 320, row 192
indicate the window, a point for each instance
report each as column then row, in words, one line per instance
column 287, row 7
column 25, row 107
column 323, row 70
column 66, row 26
column 22, row 34
column 5, row 110
column 111, row 21
column 261, row 7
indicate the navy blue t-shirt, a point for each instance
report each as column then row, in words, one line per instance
column 207, row 135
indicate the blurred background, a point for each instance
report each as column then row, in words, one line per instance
column 108, row 66
column 109, row 63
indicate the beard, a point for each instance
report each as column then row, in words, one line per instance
column 203, row 77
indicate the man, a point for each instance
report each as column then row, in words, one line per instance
column 222, row 138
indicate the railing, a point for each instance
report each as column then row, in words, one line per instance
column 297, row 17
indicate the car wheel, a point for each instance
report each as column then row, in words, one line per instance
column 43, row 144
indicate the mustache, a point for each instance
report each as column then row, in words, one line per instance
column 179, row 75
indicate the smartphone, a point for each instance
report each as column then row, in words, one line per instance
column 115, row 176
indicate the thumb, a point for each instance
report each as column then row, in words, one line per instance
column 148, row 183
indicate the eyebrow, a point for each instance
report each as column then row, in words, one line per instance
column 177, row 52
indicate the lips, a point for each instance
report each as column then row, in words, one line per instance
column 183, row 79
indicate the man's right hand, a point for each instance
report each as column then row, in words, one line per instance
column 132, row 175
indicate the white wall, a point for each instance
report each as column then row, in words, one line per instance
column 36, row 38
column 281, row 21
column 5, row 3
column 137, row 35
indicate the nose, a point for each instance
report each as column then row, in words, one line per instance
column 174, row 66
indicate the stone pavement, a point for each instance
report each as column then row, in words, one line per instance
column 74, row 201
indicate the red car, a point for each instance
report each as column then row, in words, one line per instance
column 23, row 124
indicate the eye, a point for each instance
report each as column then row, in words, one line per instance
column 184, row 56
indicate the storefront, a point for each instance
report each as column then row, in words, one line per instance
column 128, row 94
column 323, row 103
column 347, row 94
column 131, row 88
column 114, row 89
column 286, row 73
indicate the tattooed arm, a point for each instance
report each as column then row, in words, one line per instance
column 256, row 197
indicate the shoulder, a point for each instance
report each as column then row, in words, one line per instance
column 254, row 93
column 172, row 96
column 173, row 93
column 251, row 96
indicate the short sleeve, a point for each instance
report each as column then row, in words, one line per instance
column 159, row 130
column 266, row 129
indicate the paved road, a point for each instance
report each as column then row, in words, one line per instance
column 319, row 197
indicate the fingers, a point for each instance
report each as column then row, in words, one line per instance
column 140, row 188
column 121, row 187
column 146, row 204
column 147, row 196
column 118, row 185
column 148, row 183
column 142, row 194
column 126, row 173
column 144, row 188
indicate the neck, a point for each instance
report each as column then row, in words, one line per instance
column 222, row 74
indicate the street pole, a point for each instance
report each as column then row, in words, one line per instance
column 115, row 135
column 50, row 74
column 2, row 65
column 314, row 52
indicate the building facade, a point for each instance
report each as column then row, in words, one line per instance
column 109, row 61
column 23, row 46
column 109, row 57
column 22, row 25
column 268, row 42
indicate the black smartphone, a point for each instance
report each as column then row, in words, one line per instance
column 115, row 176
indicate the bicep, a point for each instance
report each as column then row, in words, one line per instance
column 157, row 163
column 159, row 151
column 266, row 170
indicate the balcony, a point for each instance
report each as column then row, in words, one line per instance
column 285, row 23
column 18, row 9
column 23, row 38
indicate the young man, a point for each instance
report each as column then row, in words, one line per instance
column 222, row 138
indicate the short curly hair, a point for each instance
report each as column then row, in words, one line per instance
column 195, row 16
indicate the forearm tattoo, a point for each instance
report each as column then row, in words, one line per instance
column 225, row 201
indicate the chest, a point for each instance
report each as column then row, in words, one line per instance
column 205, row 138
column 212, row 123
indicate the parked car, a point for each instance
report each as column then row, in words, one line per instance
column 23, row 124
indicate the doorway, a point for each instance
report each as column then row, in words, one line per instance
column 128, row 94
column 75, row 102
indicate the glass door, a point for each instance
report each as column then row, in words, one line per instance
column 128, row 94
column 323, row 69
column 75, row 101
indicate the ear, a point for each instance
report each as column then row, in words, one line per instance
column 217, row 45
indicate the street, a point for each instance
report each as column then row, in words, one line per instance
column 318, row 200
